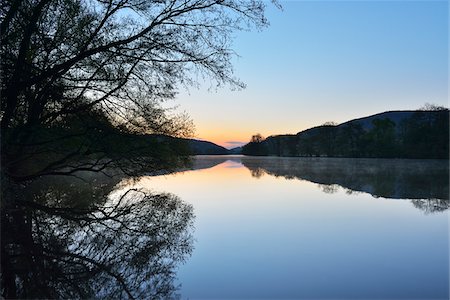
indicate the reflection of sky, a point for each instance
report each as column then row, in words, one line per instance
column 269, row 237
column 328, row 61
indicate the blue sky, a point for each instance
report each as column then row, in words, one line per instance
column 328, row 61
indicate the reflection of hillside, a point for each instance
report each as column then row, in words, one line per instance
column 398, row 179
column 200, row 162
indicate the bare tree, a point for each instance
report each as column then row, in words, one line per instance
column 117, row 59
column 432, row 107
column 330, row 123
column 122, row 56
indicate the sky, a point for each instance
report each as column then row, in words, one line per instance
column 322, row 61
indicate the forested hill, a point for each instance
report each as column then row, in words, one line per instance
column 198, row 147
column 192, row 146
column 393, row 134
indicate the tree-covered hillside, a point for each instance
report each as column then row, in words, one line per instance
column 395, row 134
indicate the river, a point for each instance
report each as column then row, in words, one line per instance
column 303, row 228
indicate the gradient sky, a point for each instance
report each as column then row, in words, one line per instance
column 325, row 61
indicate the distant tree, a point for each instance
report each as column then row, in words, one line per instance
column 257, row 138
column 350, row 140
column 256, row 146
column 432, row 107
column 280, row 145
column 382, row 138
column 326, row 140
column 330, row 123
column 426, row 134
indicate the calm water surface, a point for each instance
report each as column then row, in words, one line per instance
column 314, row 228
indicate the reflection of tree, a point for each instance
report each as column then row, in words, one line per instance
column 257, row 172
column 431, row 205
column 329, row 188
column 124, row 246
column 352, row 192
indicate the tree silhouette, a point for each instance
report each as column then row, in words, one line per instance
column 256, row 146
column 381, row 138
column 432, row 107
column 121, row 56
column 114, row 61
column 257, row 138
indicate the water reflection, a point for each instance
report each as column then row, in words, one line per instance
column 431, row 205
column 424, row 181
column 270, row 237
column 398, row 179
column 65, row 238
column 94, row 237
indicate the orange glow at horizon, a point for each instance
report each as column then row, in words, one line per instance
column 237, row 135
column 224, row 139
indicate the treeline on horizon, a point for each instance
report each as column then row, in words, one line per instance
column 423, row 134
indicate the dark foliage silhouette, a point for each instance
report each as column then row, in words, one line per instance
column 111, row 61
column 256, row 146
